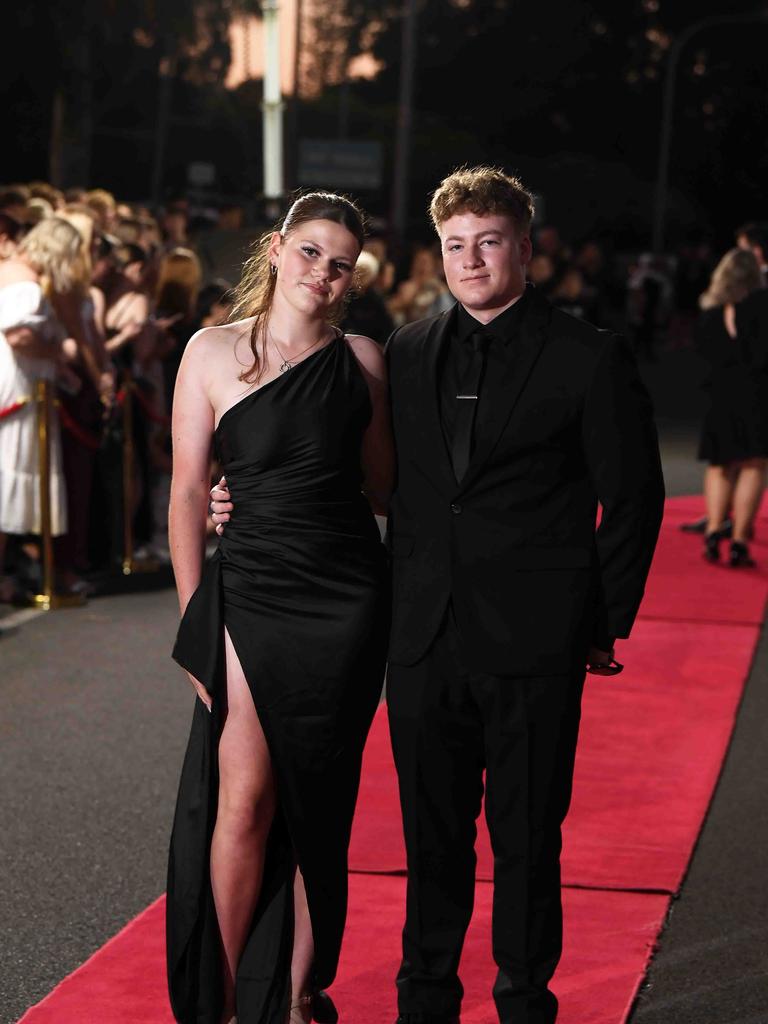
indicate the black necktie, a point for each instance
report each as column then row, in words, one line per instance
column 466, row 400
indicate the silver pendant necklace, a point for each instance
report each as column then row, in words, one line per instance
column 286, row 364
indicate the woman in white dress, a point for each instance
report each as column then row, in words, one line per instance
column 47, row 263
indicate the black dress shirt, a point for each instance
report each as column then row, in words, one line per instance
column 501, row 333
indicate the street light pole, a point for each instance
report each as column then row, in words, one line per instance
column 272, row 108
column 667, row 110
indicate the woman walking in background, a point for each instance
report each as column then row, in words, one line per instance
column 734, row 438
column 284, row 630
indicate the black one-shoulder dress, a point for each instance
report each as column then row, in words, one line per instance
column 299, row 580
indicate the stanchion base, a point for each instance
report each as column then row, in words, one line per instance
column 52, row 602
column 132, row 565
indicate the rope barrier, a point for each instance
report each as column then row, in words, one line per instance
column 85, row 437
column 9, row 410
column 47, row 599
column 143, row 402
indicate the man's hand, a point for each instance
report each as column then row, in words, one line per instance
column 602, row 663
column 221, row 505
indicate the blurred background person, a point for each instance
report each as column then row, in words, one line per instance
column 102, row 206
column 424, row 292
column 549, row 243
column 649, row 302
column 367, row 312
column 38, row 209
column 13, row 201
column 31, row 339
column 734, row 437
column 42, row 190
column 693, row 267
column 571, row 295
column 754, row 237
column 10, row 235
column 178, row 285
column 132, row 342
column 82, row 404
column 174, row 225
column 214, row 304
column 541, row 273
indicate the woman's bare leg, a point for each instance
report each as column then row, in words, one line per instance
column 303, row 948
column 244, row 818
column 719, row 482
column 747, row 496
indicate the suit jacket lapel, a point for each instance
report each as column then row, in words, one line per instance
column 437, row 457
column 500, row 395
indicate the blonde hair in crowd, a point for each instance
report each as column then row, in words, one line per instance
column 56, row 251
column 735, row 277
column 178, row 282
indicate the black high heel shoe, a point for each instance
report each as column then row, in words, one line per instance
column 740, row 557
column 321, row 1007
column 323, row 1010
column 712, row 546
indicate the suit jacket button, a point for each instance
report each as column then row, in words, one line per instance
column 456, row 509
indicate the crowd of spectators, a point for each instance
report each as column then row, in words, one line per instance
column 100, row 298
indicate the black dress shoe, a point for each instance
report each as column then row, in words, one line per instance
column 426, row 1018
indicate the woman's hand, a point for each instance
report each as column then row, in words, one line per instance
column 202, row 693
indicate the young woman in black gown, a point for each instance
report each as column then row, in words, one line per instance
column 283, row 631
column 732, row 336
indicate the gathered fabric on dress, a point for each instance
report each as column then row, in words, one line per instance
column 23, row 304
column 299, row 580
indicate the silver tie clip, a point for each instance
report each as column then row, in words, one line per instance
column 466, row 396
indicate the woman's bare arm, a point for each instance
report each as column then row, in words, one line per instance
column 27, row 342
column 192, row 431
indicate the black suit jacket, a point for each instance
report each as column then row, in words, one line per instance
column 514, row 545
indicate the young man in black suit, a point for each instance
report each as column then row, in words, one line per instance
column 512, row 421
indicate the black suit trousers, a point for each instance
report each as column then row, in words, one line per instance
column 449, row 726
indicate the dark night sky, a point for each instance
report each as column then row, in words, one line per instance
column 568, row 94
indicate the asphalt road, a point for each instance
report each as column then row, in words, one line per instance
column 92, row 731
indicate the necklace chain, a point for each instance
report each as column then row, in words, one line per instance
column 287, row 364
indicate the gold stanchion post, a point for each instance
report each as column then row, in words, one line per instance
column 48, row 599
column 130, row 564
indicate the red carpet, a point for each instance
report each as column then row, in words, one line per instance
column 124, row 983
column 652, row 741
column 652, row 744
column 682, row 586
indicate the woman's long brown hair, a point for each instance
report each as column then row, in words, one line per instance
column 254, row 295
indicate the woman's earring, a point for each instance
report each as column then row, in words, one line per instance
column 273, row 269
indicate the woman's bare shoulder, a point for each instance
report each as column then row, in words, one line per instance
column 211, row 340
column 14, row 271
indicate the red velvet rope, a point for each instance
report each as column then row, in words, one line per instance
column 145, row 405
column 85, row 437
column 9, row 410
